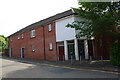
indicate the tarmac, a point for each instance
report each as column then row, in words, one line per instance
column 93, row 65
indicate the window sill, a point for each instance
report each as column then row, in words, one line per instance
column 50, row 31
column 33, row 37
column 50, row 49
column 33, row 51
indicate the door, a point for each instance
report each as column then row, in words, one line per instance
column 90, row 47
column 61, row 53
column 10, row 55
column 71, row 51
column 81, row 49
column 22, row 52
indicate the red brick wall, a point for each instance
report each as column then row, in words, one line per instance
column 50, row 37
column 102, row 50
column 38, row 43
column 26, row 43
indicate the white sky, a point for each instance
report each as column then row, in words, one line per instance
column 17, row 14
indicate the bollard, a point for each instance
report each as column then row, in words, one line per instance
column 80, row 59
column 102, row 59
column 71, row 60
column 90, row 59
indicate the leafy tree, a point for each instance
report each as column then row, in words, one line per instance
column 3, row 43
column 100, row 18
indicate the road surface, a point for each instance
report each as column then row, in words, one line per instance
column 14, row 69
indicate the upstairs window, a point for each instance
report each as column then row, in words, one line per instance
column 32, row 33
column 10, row 38
column 18, row 36
column 22, row 36
column 50, row 46
column 49, row 27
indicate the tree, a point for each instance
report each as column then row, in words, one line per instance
column 101, row 18
column 3, row 43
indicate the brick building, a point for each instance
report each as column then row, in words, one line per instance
column 49, row 39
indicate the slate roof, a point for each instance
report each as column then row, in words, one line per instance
column 45, row 21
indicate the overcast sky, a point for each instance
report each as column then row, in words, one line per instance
column 17, row 14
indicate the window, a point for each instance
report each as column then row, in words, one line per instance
column 49, row 27
column 18, row 36
column 32, row 33
column 33, row 48
column 10, row 38
column 50, row 46
column 22, row 36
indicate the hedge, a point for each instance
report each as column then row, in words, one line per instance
column 115, row 54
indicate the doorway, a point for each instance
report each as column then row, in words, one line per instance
column 71, row 50
column 90, row 47
column 61, row 53
column 22, row 52
column 81, row 49
column 10, row 55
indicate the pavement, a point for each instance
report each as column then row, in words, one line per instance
column 94, row 65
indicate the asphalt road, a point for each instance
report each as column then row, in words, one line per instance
column 15, row 69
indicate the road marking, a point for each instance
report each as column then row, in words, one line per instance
column 75, row 68
column 80, row 68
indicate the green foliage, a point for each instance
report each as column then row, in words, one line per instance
column 99, row 18
column 3, row 42
column 115, row 54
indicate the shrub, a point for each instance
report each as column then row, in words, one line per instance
column 115, row 54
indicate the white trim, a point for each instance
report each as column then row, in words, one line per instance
column 32, row 33
column 50, row 45
column 50, row 27
column 66, row 50
column 22, row 35
column 86, row 49
column 76, row 49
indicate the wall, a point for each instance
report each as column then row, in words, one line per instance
column 40, row 41
column 62, row 32
column 50, row 38
column 27, row 43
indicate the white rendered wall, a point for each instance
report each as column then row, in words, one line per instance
column 62, row 32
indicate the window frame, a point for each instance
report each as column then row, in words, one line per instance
column 32, row 33
column 18, row 36
column 33, row 48
column 50, row 46
column 11, row 39
column 22, row 36
column 50, row 27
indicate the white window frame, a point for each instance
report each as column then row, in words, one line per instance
column 49, row 27
column 50, row 46
column 10, row 38
column 18, row 36
column 33, row 48
column 32, row 34
column 22, row 35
